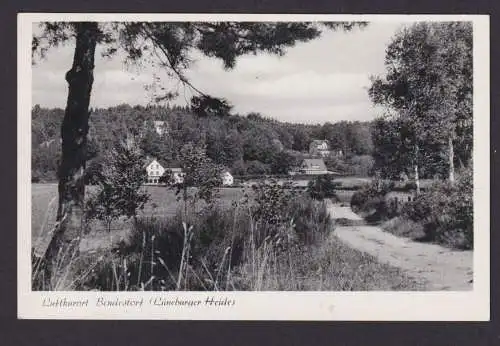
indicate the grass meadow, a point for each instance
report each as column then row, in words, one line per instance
column 162, row 203
column 229, row 250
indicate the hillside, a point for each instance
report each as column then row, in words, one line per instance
column 247, row 145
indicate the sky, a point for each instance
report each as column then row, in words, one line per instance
column 324, row 80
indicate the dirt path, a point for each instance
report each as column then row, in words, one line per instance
column 442, row 268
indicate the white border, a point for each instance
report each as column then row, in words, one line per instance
column 360, row 306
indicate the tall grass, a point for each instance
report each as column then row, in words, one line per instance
column 217, row 249
column 232, row 249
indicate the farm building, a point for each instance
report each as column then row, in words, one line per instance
column 313, row 166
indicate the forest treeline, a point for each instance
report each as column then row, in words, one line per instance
column 247, row 145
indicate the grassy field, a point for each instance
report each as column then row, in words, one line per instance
column 329, row 266
column 162, row 203
column 43, row 206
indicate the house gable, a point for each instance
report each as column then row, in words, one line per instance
column 155, row 169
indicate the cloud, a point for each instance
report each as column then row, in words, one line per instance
column 322, row 80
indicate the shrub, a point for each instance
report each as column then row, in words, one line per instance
column 271, row 201
column 311, row 219
column 322, row 187
column 161, row 255
column 445, row 211
column 409, row 185
column 119, row 187
column 211, row 234
column 404, row 227
column 361, row 165
column 371, row 200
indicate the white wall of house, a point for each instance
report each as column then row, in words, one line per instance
column 227, row 179
column 322, row 146
column 154, row 171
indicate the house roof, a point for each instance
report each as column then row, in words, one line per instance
column 162, row 163
column 318, row 164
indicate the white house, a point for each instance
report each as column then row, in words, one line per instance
column 154, row 172
column 156, row 169
column 319, row 147
column 227, row 179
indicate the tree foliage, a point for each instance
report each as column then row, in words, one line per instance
column 428, row 87
column 322, row 187
column 199, row 173
column 119, row 186
column 171, row 45
column 246, row 145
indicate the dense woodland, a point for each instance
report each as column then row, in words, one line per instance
column 247, row 145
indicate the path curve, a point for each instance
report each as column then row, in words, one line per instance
column 441, row 268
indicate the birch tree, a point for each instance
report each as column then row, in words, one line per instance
column 428, row 85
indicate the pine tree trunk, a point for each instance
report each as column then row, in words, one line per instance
column 451, row 159
column 65, row 239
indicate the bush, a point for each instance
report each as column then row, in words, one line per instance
column 311, row 219
column 371, row 200
column 222, row 244
column 404, row 227
column 322, row 187
column 361, row 165
column 445, row 211
column 271, row 201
